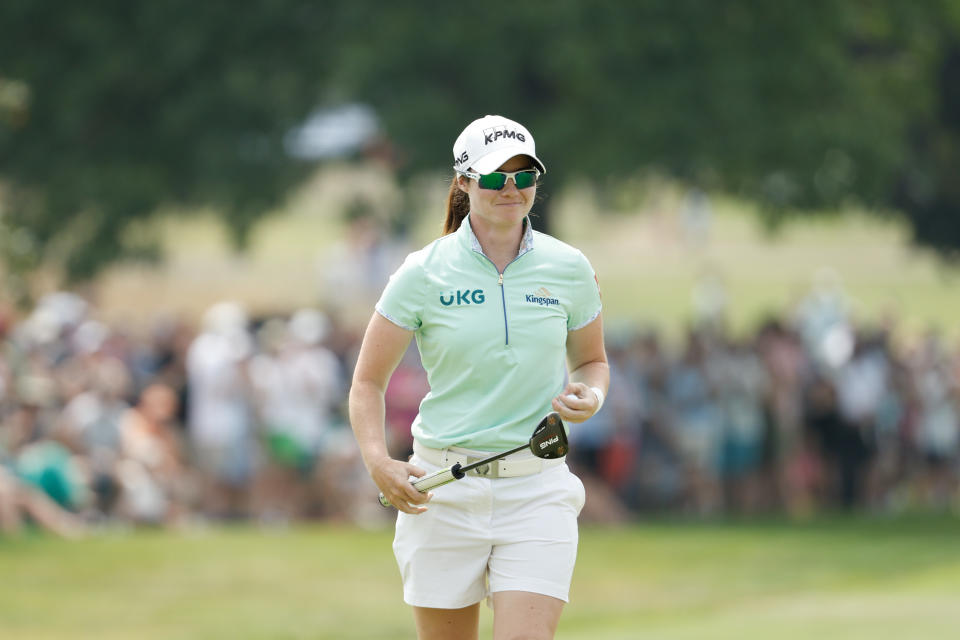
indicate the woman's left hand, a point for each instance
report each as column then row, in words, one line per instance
column 576, row 402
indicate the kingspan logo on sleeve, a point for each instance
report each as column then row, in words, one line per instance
column 543, row 297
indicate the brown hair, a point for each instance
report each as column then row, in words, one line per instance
column 458, row 206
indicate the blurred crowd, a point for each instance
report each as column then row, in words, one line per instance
column 244, row 418
column 238, row 418
column 809, row 413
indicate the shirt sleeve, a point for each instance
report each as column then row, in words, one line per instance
column 585, row 302
column 402, row 299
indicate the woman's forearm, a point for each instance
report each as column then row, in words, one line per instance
column 367, row 418
column 593, row 374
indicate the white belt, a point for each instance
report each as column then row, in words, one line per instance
column 510, row 467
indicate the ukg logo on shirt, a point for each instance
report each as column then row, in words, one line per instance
column 467, row 296
column 543, row 297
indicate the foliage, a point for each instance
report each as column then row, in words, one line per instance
column 809, row 107
column 133, row 106
column 110, row 110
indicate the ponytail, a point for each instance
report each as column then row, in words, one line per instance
column 458, row 206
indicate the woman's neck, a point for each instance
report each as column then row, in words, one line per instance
column 500, row 244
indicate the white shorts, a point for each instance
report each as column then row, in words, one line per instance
column 483, row 535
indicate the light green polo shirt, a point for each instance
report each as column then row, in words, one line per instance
column 493, row 346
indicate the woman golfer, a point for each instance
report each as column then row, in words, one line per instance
column 498, row 310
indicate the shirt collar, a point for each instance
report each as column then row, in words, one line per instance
column 526, row 243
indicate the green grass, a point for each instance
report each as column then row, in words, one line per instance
column 860, row 578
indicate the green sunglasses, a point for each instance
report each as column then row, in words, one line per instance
column 498, row 179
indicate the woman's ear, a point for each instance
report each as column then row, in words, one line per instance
column 462, row 183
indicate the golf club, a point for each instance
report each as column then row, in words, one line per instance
column 549, row 440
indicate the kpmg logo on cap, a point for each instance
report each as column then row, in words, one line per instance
column 493, row 134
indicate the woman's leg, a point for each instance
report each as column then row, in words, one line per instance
column 447, row 624
column 521, row 614
column 49, row 514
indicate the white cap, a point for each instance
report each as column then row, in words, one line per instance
column 224, row 318
column 309, row 326
column 490, row 141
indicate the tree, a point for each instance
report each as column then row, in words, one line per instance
column 801, row 107
column 112, row 110
column 135, row 106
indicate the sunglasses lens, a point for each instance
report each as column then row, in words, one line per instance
column 525, row 179
column 492, row 181
column 498, row 180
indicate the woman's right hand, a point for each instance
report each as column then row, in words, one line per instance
column 393, row 479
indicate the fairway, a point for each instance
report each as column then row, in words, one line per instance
column 861, row 578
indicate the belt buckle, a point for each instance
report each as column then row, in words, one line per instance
column 486, row 470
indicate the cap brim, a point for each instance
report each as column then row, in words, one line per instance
column 492, row 161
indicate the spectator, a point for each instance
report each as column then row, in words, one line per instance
column 660, row 480
column 823, row 323
column 772, row 421
column 741, row 385
column 697, row 421
column 938, row 429
column 19, row 500
column 787, row 365
column 90, row 426
column 298, row 384
column 220, row 414
column 158, row 487
column 861, row 383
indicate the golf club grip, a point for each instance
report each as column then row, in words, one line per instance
column 431, row 480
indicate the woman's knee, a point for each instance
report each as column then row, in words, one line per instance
column 447, row 624
column 521, row 615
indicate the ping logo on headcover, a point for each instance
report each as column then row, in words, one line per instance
column 543, row 297
column 466, row 296
column 496, row 133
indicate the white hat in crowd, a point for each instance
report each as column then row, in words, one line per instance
column 225, row 318
column 490, row 141
column 309, row 326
